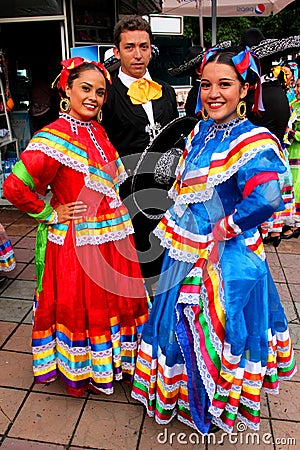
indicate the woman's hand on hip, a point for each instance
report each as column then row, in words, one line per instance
column 70, row 211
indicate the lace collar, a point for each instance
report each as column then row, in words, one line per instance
column 227, row 125
column 75, row 123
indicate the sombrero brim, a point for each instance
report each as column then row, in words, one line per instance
column 187, row 66
column 112, row 63
column 276, row 46
column 172, row 135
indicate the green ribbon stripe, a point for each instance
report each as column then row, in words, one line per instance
column 21, row 172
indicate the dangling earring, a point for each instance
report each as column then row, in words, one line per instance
column 205, row 116
column 99, row 116
column 65, row 105
column 241, row 109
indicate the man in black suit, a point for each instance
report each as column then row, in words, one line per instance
column 137, row 108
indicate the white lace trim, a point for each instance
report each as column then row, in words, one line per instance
column 102, row 238
column 189, row 423
column 250, row 403
column 205, row 375
column 7, row 255
column 143, row 400
column 85, row 371
column 73, row 350
column 249, row 423
column 107, row 391
column 274, row 391
column 93, row 239
column 129, row 345
column 43, row 348
column 214, row 180
column 174, row 253
column 122, row 177
column 59, row 156
column 9, row 268
column 128, row 367
column 55, row 238
column 44, row 367
column 79, row 167
column 109, row 192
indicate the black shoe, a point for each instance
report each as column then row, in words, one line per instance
column 2, row 279
column 275, row 240
column 294, row 233
column 213, row 428
column 285, row 235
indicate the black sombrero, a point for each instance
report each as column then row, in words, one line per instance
column 270, row 47
column 193, row 58
column 161, row 155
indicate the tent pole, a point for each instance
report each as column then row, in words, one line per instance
column 214, row 22
column 201, row 23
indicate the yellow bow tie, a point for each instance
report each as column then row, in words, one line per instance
column 143, row 90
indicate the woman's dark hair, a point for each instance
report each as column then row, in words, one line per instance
column 130, row 23
column 74, row 74
column 224, row 56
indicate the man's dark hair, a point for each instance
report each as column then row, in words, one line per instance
column 130, row 23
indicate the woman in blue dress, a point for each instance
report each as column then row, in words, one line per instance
column 217, row 334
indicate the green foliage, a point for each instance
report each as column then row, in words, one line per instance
column 286, row 23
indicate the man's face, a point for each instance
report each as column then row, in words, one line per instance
column 134, row 52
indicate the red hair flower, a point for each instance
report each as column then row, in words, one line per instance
column 72, row 63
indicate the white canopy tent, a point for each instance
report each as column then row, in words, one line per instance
column 222, row 8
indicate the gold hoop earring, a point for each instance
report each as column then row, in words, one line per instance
column 65, row 105
column 205, row 116
column 99, row 116
column 241, row 109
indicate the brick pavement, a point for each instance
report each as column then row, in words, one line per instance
column 44, row 417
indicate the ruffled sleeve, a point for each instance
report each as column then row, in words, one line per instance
column 42, row 169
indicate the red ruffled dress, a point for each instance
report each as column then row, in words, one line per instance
column 92, row 306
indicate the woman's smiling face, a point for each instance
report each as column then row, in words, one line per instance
column 87, row 94
column 221, row 91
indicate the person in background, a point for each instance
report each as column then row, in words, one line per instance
column 90, row 302
column 136, row 109
column 286, row 76
column 294, row 152
column 7, row 255
column 273, row 95
column 190, row 68
column 275, row 117
column 217, row 335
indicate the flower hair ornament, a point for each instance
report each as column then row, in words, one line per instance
column 72, row 63
column 244, row 61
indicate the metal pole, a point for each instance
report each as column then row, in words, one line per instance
column 201, row 23
column 214, row 22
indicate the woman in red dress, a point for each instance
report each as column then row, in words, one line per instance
column 90, row 302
